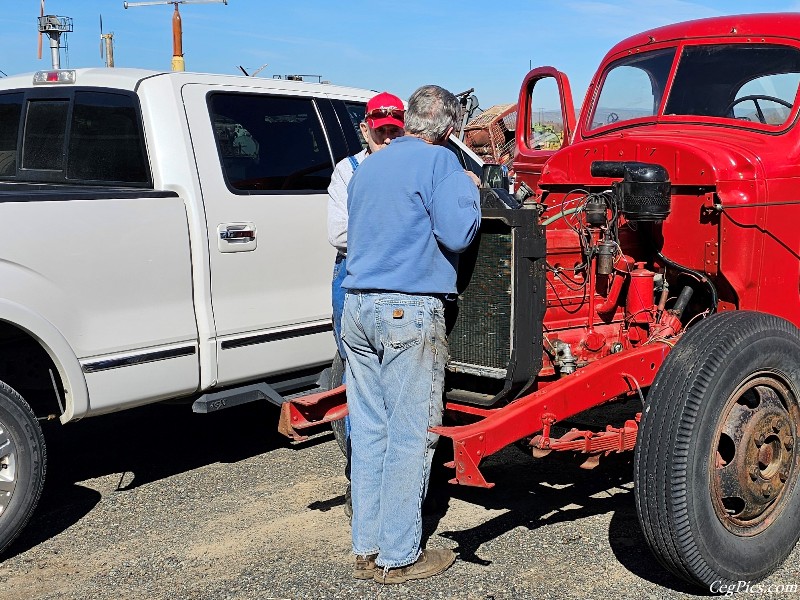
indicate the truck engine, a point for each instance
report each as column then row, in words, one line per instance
column 580, row 277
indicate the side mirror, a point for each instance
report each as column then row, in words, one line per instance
column 494, row 176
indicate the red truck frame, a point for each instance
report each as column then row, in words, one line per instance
column 670, row 214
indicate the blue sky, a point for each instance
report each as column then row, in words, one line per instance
column 396, row 46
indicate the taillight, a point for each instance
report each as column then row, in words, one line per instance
column 59, row 76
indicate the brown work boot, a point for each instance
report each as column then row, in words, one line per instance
column 365, row 566
column 430, row 563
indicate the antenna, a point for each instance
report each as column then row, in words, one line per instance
column 177, row 29
column 259, row 69
column 106, row 45
column 53, row 26
column 254, row 73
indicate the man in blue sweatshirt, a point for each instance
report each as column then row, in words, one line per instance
column 412, row 209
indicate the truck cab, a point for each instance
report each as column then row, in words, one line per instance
column 714, row 102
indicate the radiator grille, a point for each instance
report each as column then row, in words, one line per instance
column 480, row 341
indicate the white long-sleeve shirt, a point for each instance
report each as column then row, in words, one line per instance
column 337, row 201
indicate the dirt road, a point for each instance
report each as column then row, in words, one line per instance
column 161, row 503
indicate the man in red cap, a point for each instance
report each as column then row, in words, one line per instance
column 383, row 121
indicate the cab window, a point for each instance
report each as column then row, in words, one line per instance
column 747, row 82
column 767, row 99
column 356, row 112
column 270, row 143
column 105, row 142
column 633, row 88
column 10, row 110
column 82, row 137
column 546, row 127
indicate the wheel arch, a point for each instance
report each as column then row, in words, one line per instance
column 17, row 320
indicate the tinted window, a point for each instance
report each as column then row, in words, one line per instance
column 270, row 143
column 45, row 128
column 350, row 115
column 105, row 143
column 753, row 82
column 10, row 110
column 333, row 127
column 356, row 111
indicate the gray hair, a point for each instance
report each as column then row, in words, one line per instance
column 431, row 111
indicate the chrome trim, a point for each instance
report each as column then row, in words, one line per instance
column 136, row 359
column 262, row 338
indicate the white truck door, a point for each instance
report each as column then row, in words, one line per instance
column 264, row 167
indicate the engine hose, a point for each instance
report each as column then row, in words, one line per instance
column 697, row 275
column 560, row 215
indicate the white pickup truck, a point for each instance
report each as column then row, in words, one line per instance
column 162, row 236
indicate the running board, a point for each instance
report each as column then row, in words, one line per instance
column 276, row 392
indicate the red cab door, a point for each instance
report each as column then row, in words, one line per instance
column 545, row 122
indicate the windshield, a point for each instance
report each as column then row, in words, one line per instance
column 633, row 88
column 747, row 82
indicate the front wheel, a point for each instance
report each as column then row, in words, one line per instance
column 23, row 462
column 716, row 459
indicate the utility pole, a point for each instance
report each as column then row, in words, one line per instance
column 178, row 63
column 106, row 45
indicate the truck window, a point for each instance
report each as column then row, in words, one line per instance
column 45, row 129
column 85, row 137
column 270, row 142
column 105, row 143
column 356, row 111
column 10, row 110
column 633, row 88
column 748, row 82
column 768, row 99
column 546, row 127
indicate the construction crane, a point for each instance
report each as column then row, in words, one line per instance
column 178, row 63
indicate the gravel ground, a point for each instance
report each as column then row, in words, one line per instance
column 161, row 503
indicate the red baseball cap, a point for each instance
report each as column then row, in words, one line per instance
column 385, row 109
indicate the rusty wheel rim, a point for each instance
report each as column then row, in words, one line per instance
column 754, row 461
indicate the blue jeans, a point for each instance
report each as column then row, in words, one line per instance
column 396, row 352
column 337, row 296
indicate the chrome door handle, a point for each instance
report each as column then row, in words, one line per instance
column 232, row 234
column 237, row 237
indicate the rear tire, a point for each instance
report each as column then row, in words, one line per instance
column 716, row 459
column 337, row 375
column 23, row 462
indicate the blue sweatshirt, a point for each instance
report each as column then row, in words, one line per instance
column 411, row 211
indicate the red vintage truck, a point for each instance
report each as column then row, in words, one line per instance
column 655, row 268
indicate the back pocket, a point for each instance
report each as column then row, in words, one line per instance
column 400, row 323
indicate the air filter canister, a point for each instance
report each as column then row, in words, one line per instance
column 644, row 191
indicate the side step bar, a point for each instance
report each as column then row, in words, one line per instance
column 277, row 392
